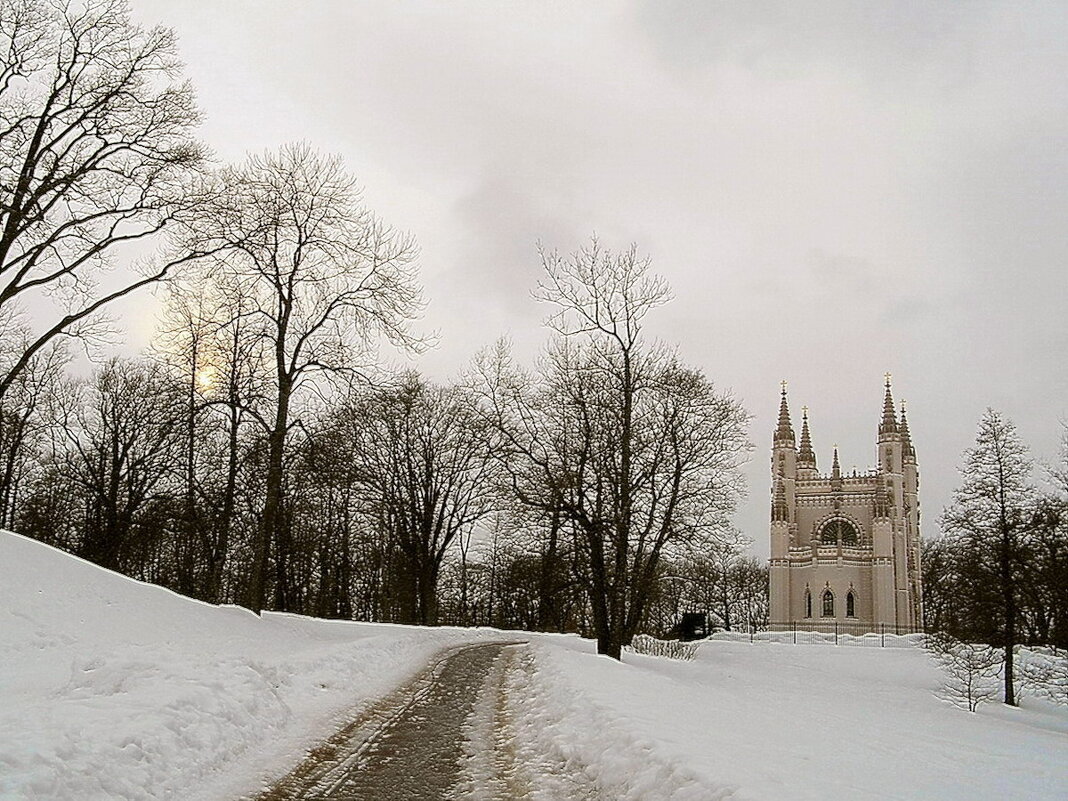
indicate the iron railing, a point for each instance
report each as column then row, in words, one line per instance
column 832, row 632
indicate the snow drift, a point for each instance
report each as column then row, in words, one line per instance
column 110, row 688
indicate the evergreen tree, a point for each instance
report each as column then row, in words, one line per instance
column 990, row 522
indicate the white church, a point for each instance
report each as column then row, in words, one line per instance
column 845, row 549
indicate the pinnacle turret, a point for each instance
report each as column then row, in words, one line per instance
column 889, row 423
column 779, row 510
column 836, row 470
column 884, row 501
column 806, row 457
column 784, row 432
column 909, row 451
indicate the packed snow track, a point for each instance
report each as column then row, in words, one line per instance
column 415, row 743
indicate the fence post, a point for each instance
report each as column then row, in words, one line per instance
column 836, row 632
column 793, row 628
column 882, row 635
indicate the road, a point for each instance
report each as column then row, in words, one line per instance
column 442, row 736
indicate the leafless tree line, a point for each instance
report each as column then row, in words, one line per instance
column 494, row 499
column 258, row 454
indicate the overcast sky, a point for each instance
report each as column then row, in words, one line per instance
column 834, row 190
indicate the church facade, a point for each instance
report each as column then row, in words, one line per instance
column 845, row 549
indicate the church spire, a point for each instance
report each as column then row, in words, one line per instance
column 909, row 451
column 836, row 470
column 784, row 432
column 889, row 423
column 806, row 456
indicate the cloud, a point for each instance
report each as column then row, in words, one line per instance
column 832, row 189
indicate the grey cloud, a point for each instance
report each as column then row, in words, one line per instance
column 833, row 189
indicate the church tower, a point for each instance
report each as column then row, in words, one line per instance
column 845, row 548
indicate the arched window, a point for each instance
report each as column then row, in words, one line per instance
column 808, row 604
column 838, row 530
column 851, row 604
column 828, row 603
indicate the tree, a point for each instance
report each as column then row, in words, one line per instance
column 207, row 339
column 124, row 439
column 27, row 415
column 991, row 521
column 325, row 281
column 638, row 452
column 941, row 580
column 971, row 670
column 96, row 153
column 424, row 460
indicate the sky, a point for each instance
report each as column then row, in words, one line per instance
column 833, row 190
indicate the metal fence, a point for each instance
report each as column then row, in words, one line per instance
column 832, row 632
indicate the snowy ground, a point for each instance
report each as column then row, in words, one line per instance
column 114, row 689
column 110, row 688
column 818, row 722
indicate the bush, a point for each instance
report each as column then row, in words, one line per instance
column 669, row 649
column 972, row 670
column 1043, row 673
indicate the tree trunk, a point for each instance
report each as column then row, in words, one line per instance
column 272, row 508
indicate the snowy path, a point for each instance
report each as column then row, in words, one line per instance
column 415, row 743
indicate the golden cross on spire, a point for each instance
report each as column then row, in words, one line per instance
column 784, row 386
column 804, row 410
column 902, row 404
column 887, row 377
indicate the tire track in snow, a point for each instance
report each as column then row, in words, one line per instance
column 504, row 760
column 486, row 722
column 407, row 746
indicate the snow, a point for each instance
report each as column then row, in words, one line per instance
column 777, row 720
column 110, row 688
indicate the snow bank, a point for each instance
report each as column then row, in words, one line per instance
column 110, row 688
column 573, row 736
column 870, row 640
column 776, row 721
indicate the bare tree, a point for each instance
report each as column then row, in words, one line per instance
column 424, row 459
column 207, row 338
column 325, row 280
column 96, row 153
column 27, row 414
column 124, row 438
column 971, row 670
column 639, row 452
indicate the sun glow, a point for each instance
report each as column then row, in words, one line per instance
column 206, row 378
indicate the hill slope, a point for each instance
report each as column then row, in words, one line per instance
column 110, row 688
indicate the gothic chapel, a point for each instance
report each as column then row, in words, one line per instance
column 845, row 548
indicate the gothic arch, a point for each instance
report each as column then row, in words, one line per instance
column 851, row 603
column 828, row 603
column 808, row 602
column 838, row 529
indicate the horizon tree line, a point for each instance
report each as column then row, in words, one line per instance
column 258, row 453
